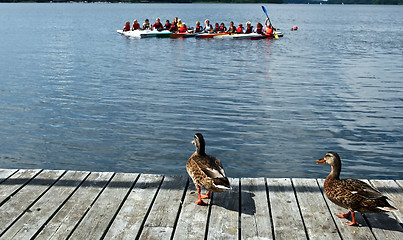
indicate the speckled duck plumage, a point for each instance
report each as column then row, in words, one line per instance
column 352, row 194
column 206, row 171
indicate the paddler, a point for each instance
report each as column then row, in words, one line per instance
column 146, row 25
column 183, row 28
column 223, row 28
column 259, row 28
column 231, row 28
column 269, row 28
column 239, row 30
column 136, row 25
column 249, row 27
column 179, row 24
column 216, row 28
column 198, row 28
column 157, row 25
column 173, row 27
column 167, row 25
column 126, row 27
column 208, row 27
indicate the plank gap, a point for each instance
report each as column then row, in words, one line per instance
column 60, row 207
column 180, row 209
column 90, row 206
column 269, row 208
column 299, row 208
column 149, row 209
column 18, row 189
column 208, row 216
column 120, row 207
column 32, row 203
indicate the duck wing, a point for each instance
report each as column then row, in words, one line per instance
column 213, row 168
column 362, row 189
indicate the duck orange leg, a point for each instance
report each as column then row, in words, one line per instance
column 347, row 215
column 352, row 223
column 200, row 202
column 206, row 196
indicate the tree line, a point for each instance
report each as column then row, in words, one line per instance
column 379, row 2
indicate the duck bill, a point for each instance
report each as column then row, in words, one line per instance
column 321, row 161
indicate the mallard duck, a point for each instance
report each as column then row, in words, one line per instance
column 353, row 194
column 206, row 171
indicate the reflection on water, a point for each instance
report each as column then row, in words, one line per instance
column 79, row 96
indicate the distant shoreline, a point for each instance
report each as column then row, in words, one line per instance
column 332, row 2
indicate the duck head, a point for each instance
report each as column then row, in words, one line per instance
column 330, row 158
column 333, row 160
column 198, row 141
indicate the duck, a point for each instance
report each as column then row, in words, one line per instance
column 206, row 171
column 352, row 194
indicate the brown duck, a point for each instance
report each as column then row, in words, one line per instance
column 206, row 171
column 353, row 194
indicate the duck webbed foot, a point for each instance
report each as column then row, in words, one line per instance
column 352, row 223
column 200, row 202
column 344, row 215
column 347, row 215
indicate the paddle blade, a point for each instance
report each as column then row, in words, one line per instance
column 275, row 35
column 264, row 10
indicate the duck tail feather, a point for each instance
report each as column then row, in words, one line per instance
column 222, row 183
column 388, row 209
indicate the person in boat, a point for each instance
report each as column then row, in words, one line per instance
column 269, row 28
column 135, row 25
column 259, row 28
column 174, row 26
column 126, row 27
column 167, row 25
column 216, row 27
column 249, row 27
column 146, row 25
column 179, row 24
column 239, row 30
column 158, row 25
column 198, row 28
column 208, row 27
column 223, row 28
column 231, row 28
column 175, row 21
column 183, row 28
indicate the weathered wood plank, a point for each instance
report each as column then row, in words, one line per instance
column 5, row 173
column 22, row 200
column 400, row 183
column 384, row 225
column 62, row 224
column 192, row 221
column 315, row 213
column 16, row 182
column 161, row 219
column 128, row 222
column 45, row 207
column 287, row 220
column 393, row 191
column 99, row 217
column 255, row 216
column 224, row 216
column 348, row 232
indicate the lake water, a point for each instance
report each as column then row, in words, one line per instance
column 74, row 94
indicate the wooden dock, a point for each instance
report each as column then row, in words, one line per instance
column 58, row 204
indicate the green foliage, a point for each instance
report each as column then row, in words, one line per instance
column 379, row 2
